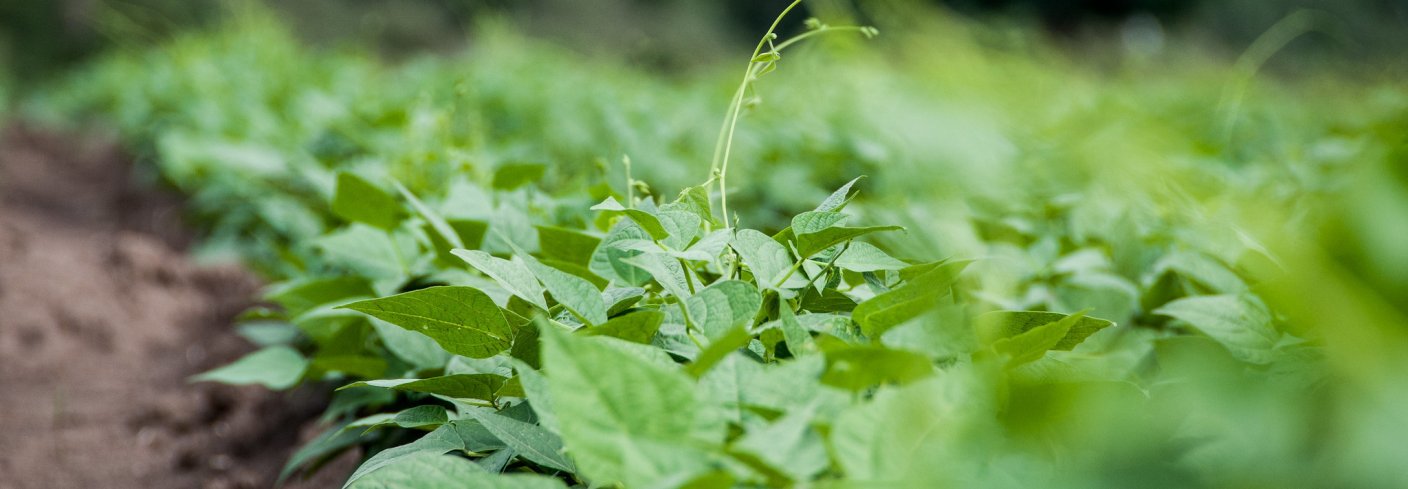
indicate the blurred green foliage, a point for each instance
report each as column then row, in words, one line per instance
column 1243, row 230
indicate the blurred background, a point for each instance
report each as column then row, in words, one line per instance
column 1117, row 155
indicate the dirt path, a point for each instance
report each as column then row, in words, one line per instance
column 101, row 322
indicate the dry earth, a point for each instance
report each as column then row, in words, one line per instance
column 102, row 321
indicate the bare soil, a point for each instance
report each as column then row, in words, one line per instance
column 103, row 319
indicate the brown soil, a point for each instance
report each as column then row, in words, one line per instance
column 102, row 321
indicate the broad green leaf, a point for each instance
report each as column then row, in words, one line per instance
column 865, row 257
column 369, row 251
column 511, row 275
column 566, row 245
column 907, row 301
column 358, row 200
column 814, row 221
column 1240, row 323
column 765, row 257
column 624, row 419
column 723, row 306
column 421, row 416
column 429, row 470
column 619, row 299
column 531, row 441
column 996, row 325
column 275, row 367
column 412, row 346
column 356, row 365
column 460, row 386
column 665, row 270
column 636, row 327
column 573, row 292
column 463, row 320
column 683, row 227
column 647, row 221
column 811, row 244
column 606, row 258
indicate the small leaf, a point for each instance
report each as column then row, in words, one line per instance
column 463, row 320
column 647, row 221
column 813, row 221
column 665, row 270
column 838, row 199
column 728, row 342
column 275, row 367
column 996, row 325
column 1033, row 343
column 606, row 258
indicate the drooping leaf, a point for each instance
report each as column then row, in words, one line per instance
column 573, row 292
column 530, row 441
column 907, row 301
column 463, row 320
column 665, row 270
column 646, row 220
column 996, row 325
column 275, row 367
column 460, row 386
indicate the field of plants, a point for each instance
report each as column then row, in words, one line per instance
column 927, row 253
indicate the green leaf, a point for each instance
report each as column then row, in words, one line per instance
column 996, row 325
column 1033, row 343
column 915, row 435
column 369, row 251
column 356, row 199
column 814, row 221
column 788, row 446
column 839, row 198
column 696, row 200
column 624, row 419
column 723, row 306
column 463, row 320
column 1239, row 322
column 683, row 227
column 531, row 441
column 607, row 259
column 459, row 386
column 666, row 271
column 441, row 228
column 511, row 275
column 566, row 245
column 275, row 367
column 575, row 293
column 865, row 257
column 765, row 257
column 647, row 221
column 811, row 244
column 414, row 347
column 907, row 301
column 513, row 175
column 719, row 347
column 860, row 367
column 535, row 386
column 636, row 327
column 429, row 470
column 303, row 295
